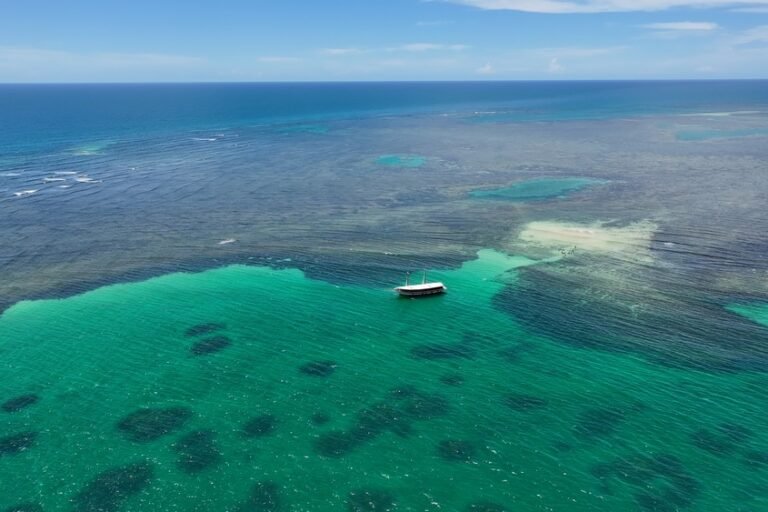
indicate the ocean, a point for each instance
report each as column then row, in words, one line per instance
column 197, row 308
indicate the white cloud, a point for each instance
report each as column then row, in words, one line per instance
column 578, row 52
column 340, row 51
column 683, row 26
column 753, row 35
column 554, row 65
column 751, row 9
column 424, row 47
column 486, row 69
column 597, row 6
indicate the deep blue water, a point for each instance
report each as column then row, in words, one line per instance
column 40, row 117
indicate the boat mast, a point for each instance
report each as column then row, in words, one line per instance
column 407, row 276
column 424, row 281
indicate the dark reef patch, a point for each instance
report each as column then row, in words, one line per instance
column 370, row 500
column 599, row 422
column 396, row 414
column 485, row 506
column 521, row 402
column 108, row 491
column 435, row 351
column 264, row 497
column 456, row 450
column 666, row 483
column 318, row 368
column 203, row 329
column 756, row 458
column 723, row 440
column 514, row 353
column 145, row 425
column 425, row 406
column 210, row 345
column 452, row 379
column 20, row 402
column 197, row 451
column 379, row 418
column 17, row 443
column 24, row 507
column 580, row 309
column 319, row 418
column 260, row 426
column 336, row 443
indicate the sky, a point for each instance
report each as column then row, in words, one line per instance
column 372, row 40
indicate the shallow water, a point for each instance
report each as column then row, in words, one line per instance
column 536, row 190
column 203, row 318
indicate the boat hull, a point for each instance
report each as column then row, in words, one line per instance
column 420, row 291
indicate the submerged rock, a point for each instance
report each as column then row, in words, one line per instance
column 17, row 443
column 201, row 329
column 210, row 345
column 260, row 426
column 145, row 425
column 370, row 500
column 524, row 403
column 20, row 402
column 197, row 451
column 456, row 450
column 318, row 368
column 108, row 491
column 264, row 497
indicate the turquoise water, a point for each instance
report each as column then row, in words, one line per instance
column 198, row 314
column 406, row 161
column 534, row 190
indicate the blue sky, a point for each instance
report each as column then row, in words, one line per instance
column 281, row 40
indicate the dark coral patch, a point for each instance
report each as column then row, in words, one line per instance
column 260, row 426
column 210, row 345
column 426, row 406
column 148, row 424
column 336, row 444
column 712, row 442
column 24, row 507
column 20, row 402
column 203, row 329
column 318, row 368
column 264, row 497
column 402, row 406
column 723, row 440
column 514, row 353
column 17, row 443
column 108, row 491
column 452, row 379
column 598, row 422
column 523, row 403
column 434, row 351
column 379, row 418
column 319, row 418
column 456, row 450
column 756, row 459
column 667, row 484
column 197, row 451
column 403, row 392
column 486, row 506
column 370, row 500
column 734, row 432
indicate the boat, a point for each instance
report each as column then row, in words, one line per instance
column 419, row 290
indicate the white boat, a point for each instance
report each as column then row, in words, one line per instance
column 418, row 290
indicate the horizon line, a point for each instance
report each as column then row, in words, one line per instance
column 288, row 82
